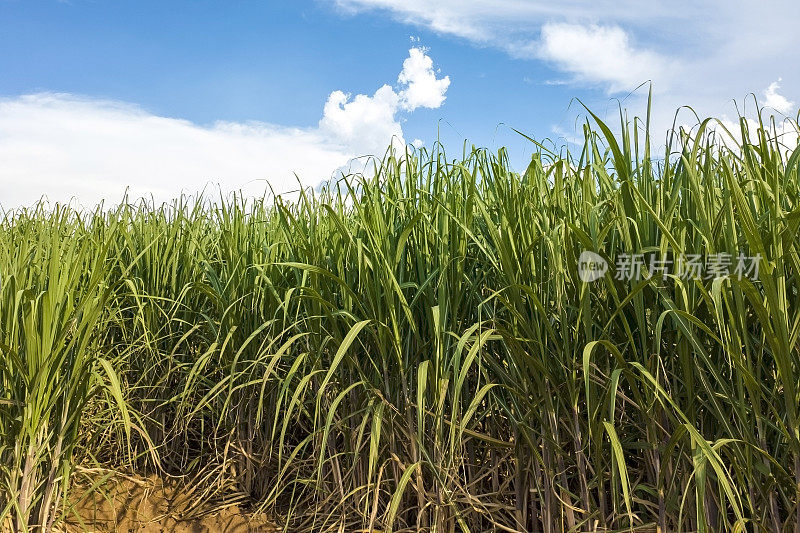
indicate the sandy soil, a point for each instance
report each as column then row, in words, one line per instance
column 148, row 505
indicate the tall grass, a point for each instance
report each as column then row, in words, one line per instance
column 416, row 350
column 53, row 298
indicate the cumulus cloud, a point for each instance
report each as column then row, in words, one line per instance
column 67, row 147
column 615, row 45
column 364, row 123
column 777, row 101
column 422, row 87
column 599, row 54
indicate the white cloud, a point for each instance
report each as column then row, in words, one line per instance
column 618, row 44
column 423, row 89
column 67, row 147
column 506, row 22
column 364, row 124
column 509, row 22
column 776, row 101
column 440, row 16
column 599, row 54
column 63, row 147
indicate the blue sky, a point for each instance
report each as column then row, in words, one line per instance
column 100, row 95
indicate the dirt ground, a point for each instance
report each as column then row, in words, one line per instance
column 148, row 505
